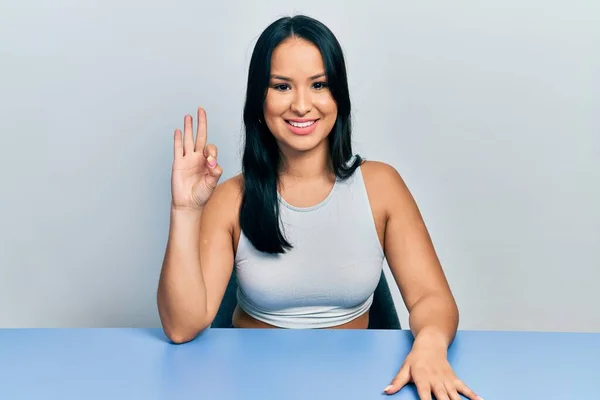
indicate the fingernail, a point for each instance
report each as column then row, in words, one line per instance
column 387, row 388
column 211, row 161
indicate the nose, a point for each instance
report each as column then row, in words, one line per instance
column 302, row 102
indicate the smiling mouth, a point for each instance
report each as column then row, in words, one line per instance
column 304, row 124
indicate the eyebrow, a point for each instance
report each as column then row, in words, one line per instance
column 285, row 78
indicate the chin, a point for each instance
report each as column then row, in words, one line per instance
column 301, row 142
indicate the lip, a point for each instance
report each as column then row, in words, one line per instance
column 302, row 131
column 302, row 119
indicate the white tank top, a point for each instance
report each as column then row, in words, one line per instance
column 328, row 278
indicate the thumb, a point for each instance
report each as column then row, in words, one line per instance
column 214, row 169
column 214, row 174
column 399, row 381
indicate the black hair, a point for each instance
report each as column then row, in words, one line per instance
column 261, row 160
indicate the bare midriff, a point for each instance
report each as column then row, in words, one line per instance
column 241, row 319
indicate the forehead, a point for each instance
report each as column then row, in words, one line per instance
column 297, row 58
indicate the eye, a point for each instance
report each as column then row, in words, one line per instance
column 281, row 87
column 320, row 85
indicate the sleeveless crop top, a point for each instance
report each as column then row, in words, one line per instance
column 329, row 276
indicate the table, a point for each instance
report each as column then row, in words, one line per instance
column 283, row 364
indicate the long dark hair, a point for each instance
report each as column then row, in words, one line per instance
column 261, row 161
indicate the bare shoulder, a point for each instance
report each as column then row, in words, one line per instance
column 223, row 206
column 229, row 190
column 385, row 186
column 379, row 173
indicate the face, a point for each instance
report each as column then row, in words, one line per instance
column 299, row 108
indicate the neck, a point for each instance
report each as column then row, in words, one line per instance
column 307, row 164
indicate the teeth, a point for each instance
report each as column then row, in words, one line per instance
column 301, row 124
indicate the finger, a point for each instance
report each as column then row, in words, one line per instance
column 440, row 392
column 452, row 393
column 178, row 145
column 424, row 390
column 212, row 179
column 211, row 153
column 399, row 381
column 188, row 135
column 465, row 390
column 202, row 129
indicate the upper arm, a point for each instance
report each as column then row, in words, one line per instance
column 216, row 242
column 407, row 244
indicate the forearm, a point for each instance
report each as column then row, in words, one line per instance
column 434, row 319
column 181, row 290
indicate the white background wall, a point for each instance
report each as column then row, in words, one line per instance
column 490, row 111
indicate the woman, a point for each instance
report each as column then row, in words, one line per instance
column 308, row 223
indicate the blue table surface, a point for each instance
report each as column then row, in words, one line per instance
column 284, row 364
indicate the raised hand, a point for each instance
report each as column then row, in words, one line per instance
column 196, row 171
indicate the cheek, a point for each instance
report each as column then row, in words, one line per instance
column 275, row 105
column 326, row 106
column 273, row 108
